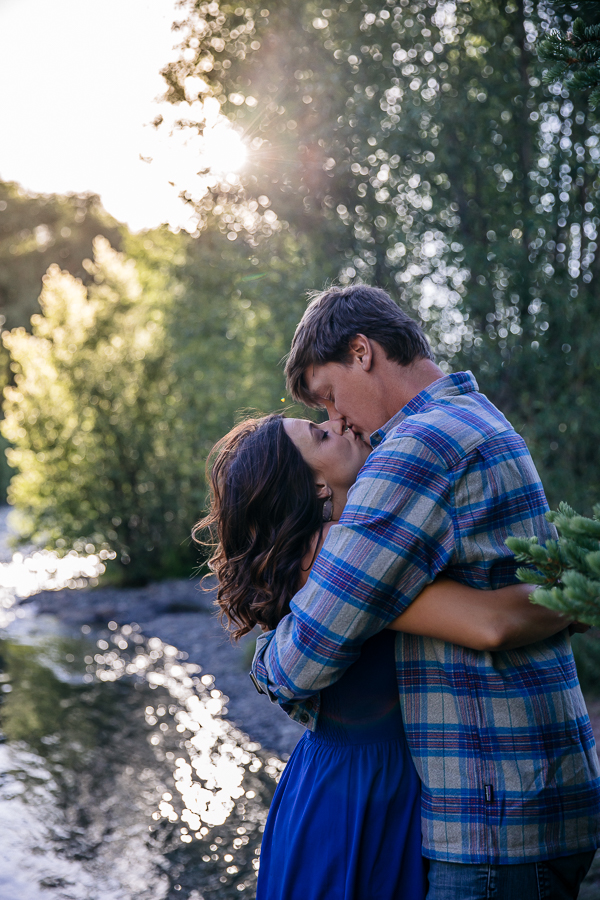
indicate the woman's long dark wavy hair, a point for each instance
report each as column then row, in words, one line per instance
column 264, row 513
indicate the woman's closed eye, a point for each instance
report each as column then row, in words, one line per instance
column 318, row 435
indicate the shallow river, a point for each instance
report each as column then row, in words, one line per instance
column 119, row 777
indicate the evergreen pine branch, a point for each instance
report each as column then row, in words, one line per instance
column 545, row 564
column 568, row 569
column 575, row 55
column 529, row 576
column 578, row 526
column 593, row 561
column 578, row 598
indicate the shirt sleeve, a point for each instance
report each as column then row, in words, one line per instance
column 395, row 535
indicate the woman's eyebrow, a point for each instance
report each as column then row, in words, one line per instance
column 314, row 431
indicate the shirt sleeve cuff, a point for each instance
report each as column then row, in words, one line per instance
column 258, row 673
column 305, row 712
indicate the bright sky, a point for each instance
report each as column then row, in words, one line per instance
column 78, row 81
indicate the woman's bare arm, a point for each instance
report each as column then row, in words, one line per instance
column 482, row 620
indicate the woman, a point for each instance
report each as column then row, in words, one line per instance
column 345, row 818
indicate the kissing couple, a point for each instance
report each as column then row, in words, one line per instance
column 448, row 753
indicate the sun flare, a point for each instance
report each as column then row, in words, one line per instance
column 223, row 149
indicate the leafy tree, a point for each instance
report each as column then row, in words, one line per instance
column 38, row 230
column 90, row 420
column 410, row 144
column 230, row 328
column 416, row 144
column 123, row 387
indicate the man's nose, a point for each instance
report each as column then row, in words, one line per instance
column 335, row 416
column 330, row 409
column 337, row 425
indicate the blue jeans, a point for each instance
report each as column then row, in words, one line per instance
column 553, row 879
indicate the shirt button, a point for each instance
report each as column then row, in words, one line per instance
column 304, row 718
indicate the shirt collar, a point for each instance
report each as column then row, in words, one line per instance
column 444, row 388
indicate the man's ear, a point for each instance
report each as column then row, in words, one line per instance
column 361, row 351
column 323, row 490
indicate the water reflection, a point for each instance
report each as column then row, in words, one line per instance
column 120, row 777
column 45, row 570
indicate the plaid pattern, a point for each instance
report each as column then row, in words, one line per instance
column 502, row 741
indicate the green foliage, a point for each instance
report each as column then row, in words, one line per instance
column 90, row 420
column 575, row 52
column 575, row 55
column 231, row 327
column 38, row 230
column 414, row 146
column 567, row 569
column 123, row 387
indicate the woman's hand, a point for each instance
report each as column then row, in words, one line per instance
column 482, row 620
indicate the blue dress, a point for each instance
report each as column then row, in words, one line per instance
column 345, row 821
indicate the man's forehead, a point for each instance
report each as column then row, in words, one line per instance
column 318, row 377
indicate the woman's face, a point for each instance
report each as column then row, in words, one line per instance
column 335, row 456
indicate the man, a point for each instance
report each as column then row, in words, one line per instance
column 502, row 741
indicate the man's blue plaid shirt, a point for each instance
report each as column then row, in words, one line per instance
column 502, row 741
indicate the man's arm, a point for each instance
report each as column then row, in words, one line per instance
column 395, row 535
